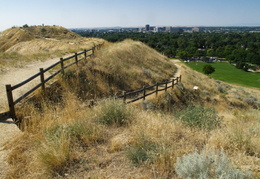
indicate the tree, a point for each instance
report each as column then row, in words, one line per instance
column 208, row 69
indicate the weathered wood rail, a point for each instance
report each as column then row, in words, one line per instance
column 83, row 55
column 149, row 90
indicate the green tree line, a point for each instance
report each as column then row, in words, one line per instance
column 235, row 47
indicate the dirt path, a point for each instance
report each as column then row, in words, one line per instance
column 16, row 75
column 176, row 74
column 8, row 130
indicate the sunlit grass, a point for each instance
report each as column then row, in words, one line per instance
column 228, row 73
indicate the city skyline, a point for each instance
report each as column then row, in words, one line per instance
column 102, row 13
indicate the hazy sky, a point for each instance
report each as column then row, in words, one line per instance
column 127, row 13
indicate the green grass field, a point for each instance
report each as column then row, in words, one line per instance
column 230, row 74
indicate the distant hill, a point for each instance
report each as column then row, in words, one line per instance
column 19, row 45
column 15, row 35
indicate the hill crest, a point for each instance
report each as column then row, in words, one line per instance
column 15, row 35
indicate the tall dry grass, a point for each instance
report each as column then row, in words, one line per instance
column 63, row 137
column 134, row 62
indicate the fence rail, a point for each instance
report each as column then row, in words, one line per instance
column 146, row 90
column 9, row 88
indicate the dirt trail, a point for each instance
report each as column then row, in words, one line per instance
column 8, row 130
column 16, row 75
column 176, row 74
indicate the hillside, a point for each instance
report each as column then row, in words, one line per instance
column 15, row 35
column 216, row 125
column 20, row 45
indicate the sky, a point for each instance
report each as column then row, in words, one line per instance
column 129, row 13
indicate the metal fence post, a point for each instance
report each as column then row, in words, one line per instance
column 172, row 83
column 166, row 86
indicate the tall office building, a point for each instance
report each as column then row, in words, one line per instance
column 147, row 27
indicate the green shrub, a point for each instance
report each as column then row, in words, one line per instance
column 208, row 69
column 207, row 165
column 113, row 112
column 143, row 150
column 198, row 116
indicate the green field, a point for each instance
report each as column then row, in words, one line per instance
column 230, row 74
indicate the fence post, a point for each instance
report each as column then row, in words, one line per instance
column 62, row 66
column 42, row 79
column 124, row 99
column 10, row 101
column 172, row 83
column 93, row 50
column 76, row 58
column 157, row 85
column 166, row 86
column 144, row 93
column 180, row 78
column 85, row 54
column 91, row 103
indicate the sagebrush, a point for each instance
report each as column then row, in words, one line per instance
column 208, row 164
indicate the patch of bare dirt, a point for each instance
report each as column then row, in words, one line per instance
column 9, row 130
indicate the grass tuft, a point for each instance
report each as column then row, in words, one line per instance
column 113, row 112
column 55, row 155
column 144, row 150
column 198, row 116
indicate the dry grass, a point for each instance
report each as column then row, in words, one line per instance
column 134, row 62
column 55, row 142
column 19, row 46
column 112, row 71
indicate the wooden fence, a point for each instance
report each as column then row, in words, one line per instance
column 9, row 88
column 148, row 90
column 131, row 96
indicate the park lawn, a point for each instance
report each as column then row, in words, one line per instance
column 230, row 74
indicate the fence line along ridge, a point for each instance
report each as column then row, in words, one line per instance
column 9, row 88
column 146, row 90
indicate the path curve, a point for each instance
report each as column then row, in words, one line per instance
column 176, row 74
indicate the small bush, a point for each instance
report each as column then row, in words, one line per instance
column 85, row 133
column 81, row 132
column 113, row 112
column 198, row 116
column 208, row 69
column 143, row 150
column 221, row 89
column 207, row 165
